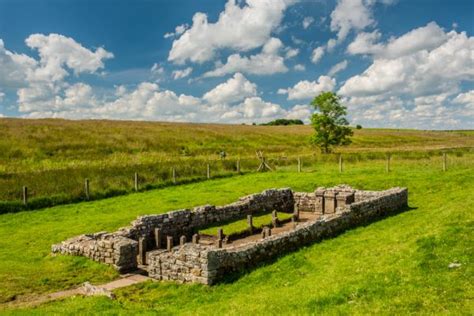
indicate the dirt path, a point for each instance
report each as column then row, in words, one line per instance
column 86, row 289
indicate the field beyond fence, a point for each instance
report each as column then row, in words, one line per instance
column 50, row 162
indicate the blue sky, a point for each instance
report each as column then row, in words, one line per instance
column 394, row 63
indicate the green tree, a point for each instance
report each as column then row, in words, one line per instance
column 329, row 122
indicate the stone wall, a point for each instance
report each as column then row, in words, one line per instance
column 102, row 246
column 118, row 251
column 208, row 265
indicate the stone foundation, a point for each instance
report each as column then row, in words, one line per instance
column 338, row 209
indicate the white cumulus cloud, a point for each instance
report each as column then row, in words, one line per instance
column 238, row 27
column 183, row 73
column 233, row 90
column 265, row 63
column 337, row 68
column 317, row 54
column 309, row 89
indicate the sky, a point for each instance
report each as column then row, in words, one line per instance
column 394, row 63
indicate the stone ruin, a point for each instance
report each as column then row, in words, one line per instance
column 168, row 246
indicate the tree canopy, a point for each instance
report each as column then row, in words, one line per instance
column 329, row 122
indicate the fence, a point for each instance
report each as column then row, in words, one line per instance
column 48, row 188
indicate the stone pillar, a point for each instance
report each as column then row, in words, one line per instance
column 344, row 198
column 250, row 223
column 296, row 214
column 220, row 234
column 141, row 251
column 329, row 202
column 169, row 243
column 158, row 238
column 319, row 203
column 275, row 222
column 196, row 239
column 182, row 240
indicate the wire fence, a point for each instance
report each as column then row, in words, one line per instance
column 29, row 191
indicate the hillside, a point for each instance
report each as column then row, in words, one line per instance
column 399, row 265
column 54, row 157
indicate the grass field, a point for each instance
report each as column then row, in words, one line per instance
column 54, row 157
column 398, row 265
column 239, row 226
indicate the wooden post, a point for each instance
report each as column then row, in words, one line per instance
column 86, row 189
column 174, row 175
column 25, row 195
column 208, row 171
column 182, row 240
column 158, row 238
column 299, row 164
column 219, row 243
column 340, row 163
column 169, row 243
column 388, row 162
column 444, row 162
column 238, row 166
column 136, row 181
column 220, row 234
column 141, row 251
column 250, row 223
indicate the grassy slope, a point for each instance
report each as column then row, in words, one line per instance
column 53, row 157
column 398, row 265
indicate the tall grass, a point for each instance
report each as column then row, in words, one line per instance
column 54, row 157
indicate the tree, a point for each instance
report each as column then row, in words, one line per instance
column 329, row 123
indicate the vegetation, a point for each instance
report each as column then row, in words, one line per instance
column 399, row 265
column 54, row 157
column 239, row 226
column 330, row 125
column 284, row 122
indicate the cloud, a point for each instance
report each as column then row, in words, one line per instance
column 267, row 62
column 40, row 83
column 299, row 67
column 337, row 68
column 183, row 73
column 351, row 14
column 307, row 21
column 233, row 90
column 57, row 51
column 317, row 54
column 422, row 72
column 465, row 98
column 291, row 52
column 309, row 89
column 180, row 29
column 422, row 38
column 239, row 28
column 2, row 95
column 414, row 80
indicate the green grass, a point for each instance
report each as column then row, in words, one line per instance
column 238, row 226
column 398, row 265
column 54, row 157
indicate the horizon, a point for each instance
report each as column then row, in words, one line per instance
column 407, row 64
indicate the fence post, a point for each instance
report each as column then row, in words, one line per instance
column 340, row 163
column 174, row 175
column 136, row 181
column 238, row 165
column 444, row 162
column 389, row 156
column 299, row 164
column 25, row 195
column 208, row 171
column 86, row 188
